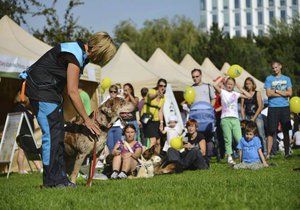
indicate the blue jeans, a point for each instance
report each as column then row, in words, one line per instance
column 136, row 125
column 113, row 136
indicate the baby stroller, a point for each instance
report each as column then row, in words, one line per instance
column 204, row 114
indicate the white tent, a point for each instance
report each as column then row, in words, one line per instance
column 225, row 67
column 168, row 69
column 189, row 63
column 18, row 50
column 126, row 67
column 210, row 69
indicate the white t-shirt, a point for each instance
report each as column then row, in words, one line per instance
column 229, row 101
column 171, row 133
column 297, row 138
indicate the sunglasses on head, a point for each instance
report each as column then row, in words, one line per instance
column 162, row 86
column 113, row 91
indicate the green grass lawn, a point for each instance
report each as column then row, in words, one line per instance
column 218, row 188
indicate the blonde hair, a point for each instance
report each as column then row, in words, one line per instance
column 101, row 48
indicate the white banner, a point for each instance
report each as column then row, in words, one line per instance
column 10, row 64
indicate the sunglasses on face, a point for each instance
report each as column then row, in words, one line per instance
column 162, row 86
column 195, row 76
column 112, row 91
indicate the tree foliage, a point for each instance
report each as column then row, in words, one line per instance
column 180, row 36
column 55, row 30
column 18, row 9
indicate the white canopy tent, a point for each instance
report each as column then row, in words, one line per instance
column 189, row 63
column 126, row 67
column 18, row 50
column 176, row 75
column 210, row 69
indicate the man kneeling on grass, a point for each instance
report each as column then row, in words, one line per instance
column 251, row 155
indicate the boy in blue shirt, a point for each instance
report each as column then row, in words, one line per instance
column 251, row 155
column 279, row 89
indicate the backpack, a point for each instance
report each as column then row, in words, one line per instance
column 204, row 114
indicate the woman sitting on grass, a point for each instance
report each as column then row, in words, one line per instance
column 251, row 155
column 193, row 156
column 126, row 154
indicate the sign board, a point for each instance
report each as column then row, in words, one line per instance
column 171, row 107
column 17, row 131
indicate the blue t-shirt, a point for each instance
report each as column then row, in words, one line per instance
column 278, row 83
column 250, row 150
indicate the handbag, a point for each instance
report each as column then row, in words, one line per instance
column 147, row 116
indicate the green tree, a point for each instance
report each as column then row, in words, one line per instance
column 56, row 31
column 18, row 9
column 283, row 45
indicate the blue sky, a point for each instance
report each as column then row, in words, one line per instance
column 104, row 15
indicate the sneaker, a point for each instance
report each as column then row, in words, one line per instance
column 122, row 175
column 66, row 184
column 41, row 170
column 230, row 161
column 287, row 156
column 100, row 176
column 114, row 175
column 23, row 172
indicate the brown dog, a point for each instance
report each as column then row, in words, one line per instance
column 162, row 167
column 79, row 141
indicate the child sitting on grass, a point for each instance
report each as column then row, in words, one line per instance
column 251, row 155
column 172, row 131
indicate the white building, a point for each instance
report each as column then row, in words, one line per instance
column 245, row 17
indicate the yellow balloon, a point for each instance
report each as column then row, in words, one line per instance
column 102, row 90
column 105, row 83
column 295, row 104
column 152, row 92
column 177, row 143
column 189, row 95
column 235, row 71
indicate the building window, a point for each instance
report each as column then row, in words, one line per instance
column 283, row 15
column 271, row 16
column 259, row 3
column 271, row 3
column 238, row 33
column 237, row 19
column 215, row 18
column 260, row 18
column 225, row 4
column 203, row 21
column 215, row 4
column 282, row 3
column 260, row 32
column 249, row 33
column 295, row 2
column 236, row 4
column 248, row 3
column 202, row 5
column 226, row 19
column 294, row 13
column 249, row 18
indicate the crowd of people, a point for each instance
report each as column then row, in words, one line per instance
column 241, row 130
column 145, row 126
